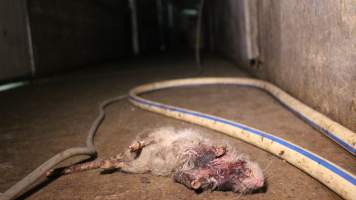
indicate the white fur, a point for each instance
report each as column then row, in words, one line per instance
column 169, row 151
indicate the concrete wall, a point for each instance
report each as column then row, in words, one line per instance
column 69, row 34
column 14, row 50
column 229, row 28
column 307, row 47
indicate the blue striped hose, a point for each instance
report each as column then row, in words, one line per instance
column 334, row 172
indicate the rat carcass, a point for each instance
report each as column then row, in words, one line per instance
column 188, row 157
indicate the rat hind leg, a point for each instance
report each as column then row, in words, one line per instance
column 105, row 164
column 120, row 161
column 143, row 157
column 138, row 145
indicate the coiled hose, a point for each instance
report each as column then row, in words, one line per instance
column 330, row 174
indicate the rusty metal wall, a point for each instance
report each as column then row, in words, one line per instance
column 307, row 47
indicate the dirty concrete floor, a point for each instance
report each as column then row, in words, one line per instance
column 53, row 114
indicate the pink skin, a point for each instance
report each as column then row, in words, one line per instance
column 222, row 174
column 256, row 178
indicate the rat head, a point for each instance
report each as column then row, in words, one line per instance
column 251, row 178
column 242, row 176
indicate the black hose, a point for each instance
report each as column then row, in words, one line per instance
column 90, row 150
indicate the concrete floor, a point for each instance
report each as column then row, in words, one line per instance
column 53, row 114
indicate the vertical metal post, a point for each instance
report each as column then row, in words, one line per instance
column 134, row 27
column 29, row 38
column 249, row 6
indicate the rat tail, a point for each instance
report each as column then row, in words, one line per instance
column 107, row 164
column 96, row 164
column 75, row 168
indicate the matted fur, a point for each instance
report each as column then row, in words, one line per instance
column 189, row 157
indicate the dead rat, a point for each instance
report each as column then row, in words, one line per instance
column 188, row 157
